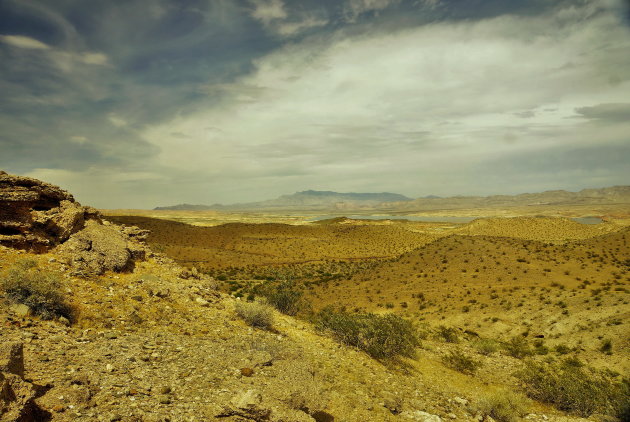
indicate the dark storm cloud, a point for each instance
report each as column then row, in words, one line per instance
column 606, row 112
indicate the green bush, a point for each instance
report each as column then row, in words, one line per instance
column 486, row 346
column 448, row 334
column 380, row 336
column 461, row 362
column 503, row 406
column 574, row 388
column 606, row 347
column 39, row 290
column 256, row 314
column 517, row 347
column 285, row 297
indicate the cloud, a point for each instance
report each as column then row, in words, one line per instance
column 618, row 112
column 275, row 17
column 267, row 11
column 234, row 101
column 405, row 105
column 21, row 41
column 292, row 28
column 354, row 8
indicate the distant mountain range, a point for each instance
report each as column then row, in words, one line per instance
column 610, row 195
column 312, row 200
column 305, row 200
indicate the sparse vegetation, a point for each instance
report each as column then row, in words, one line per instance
column 486, row 346
column 39, row 290
column 459, row 361
column 576, row 389
column 380, row 336
column 285, row 297
column 606, row 347
column 256, row 314
column 518, row 347
column 503, row 406
column 448, row 334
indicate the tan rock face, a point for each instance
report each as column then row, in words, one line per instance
column 98, row 248
column 37, row 216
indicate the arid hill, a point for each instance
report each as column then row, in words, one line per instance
column 571, row 294
column 157, row 342
column 238, row 244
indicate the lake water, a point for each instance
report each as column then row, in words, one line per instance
column 434, row 219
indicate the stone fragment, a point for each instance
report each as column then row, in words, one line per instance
column 21, row 310
column 247, row 372
column 248, row 399
column 420, row 416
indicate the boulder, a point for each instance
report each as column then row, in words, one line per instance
column 420, row 416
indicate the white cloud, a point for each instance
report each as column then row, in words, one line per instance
column 98, row 59
column 79, row 139
column 267, row 11
column 276, row 19
column 116, row 120
column 355, row 8
column 21, row 41
column 425, row 101
column 292, row 28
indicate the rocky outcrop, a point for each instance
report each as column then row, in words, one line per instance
column 103, row 247
column 37, row 216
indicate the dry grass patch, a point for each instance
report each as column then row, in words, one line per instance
column 40, row 290
column 256, row 314
column 503, row 406
column 571, row 387
column 461, row 362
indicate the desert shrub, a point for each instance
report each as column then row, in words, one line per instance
column 562, row 349
column 486, row 346
column 256, row 314
column 39, row 290
column 461, row 362
column 574, row 388
column 503, row 406
column 517, row 347
column 606, row 347
column 380, row 336
column 448, row 334
column 285, row 297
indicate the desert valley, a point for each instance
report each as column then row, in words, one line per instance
column 304, row 314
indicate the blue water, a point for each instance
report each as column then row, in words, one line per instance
column 434, row 219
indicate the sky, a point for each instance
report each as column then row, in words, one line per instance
column 136, row 104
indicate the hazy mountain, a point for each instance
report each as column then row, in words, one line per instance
column 393, row 202
column 610, row 195
column 308, row 199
